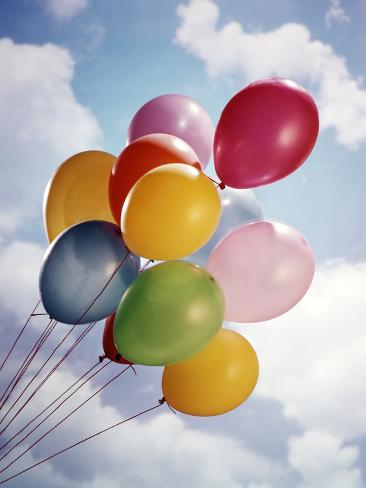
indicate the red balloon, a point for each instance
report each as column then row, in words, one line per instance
column 265, row 132
column 141, row 156
column 108, row 344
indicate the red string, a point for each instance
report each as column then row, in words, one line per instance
column 21, row 367
column 82, row 441
column 62, row 359
column 27, row 361
column 19, row 335
column 104, row 287
column 78, row 340
column 54, row 369
column 53, row 411
column 65, row 418
column 49, row 406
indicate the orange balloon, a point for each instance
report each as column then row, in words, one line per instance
column 216, row 380
column 170, row 212
column 78, row 191
column 141, row 156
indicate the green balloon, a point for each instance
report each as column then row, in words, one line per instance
column 170, row 312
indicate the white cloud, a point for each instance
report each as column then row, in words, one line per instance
column 66, row 9
column 336, row 14
column 10, row 222
column 323, row 461
column 261, row 485
column 170, row 453
column 95, row 33
column 41, row 124
column 312, row 358
column 288, row 51
column 20, row 265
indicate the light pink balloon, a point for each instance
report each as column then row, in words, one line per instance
column 264, row 269
column 179, row 116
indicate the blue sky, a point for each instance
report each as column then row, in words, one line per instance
column 73, row 74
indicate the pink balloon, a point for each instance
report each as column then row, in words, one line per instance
column 179, row 116
column 265, row 132
column 264, row 269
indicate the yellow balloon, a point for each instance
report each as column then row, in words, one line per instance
column 170, row 212
column 78, row 191
column 216, row 380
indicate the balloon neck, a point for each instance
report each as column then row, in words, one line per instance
column 163, row 400
column 102, row 358
column 219, row 184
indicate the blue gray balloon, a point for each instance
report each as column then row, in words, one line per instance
column 238, row 207
column 78, row 265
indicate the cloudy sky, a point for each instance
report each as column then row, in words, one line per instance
column 72, row 74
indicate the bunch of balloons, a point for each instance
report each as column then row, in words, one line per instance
column 221, row 260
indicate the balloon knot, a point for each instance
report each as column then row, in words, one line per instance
column 163, row 400
column 102, row 358
column 220, row 185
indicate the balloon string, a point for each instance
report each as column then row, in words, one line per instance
column 52, row 371
column 218, row 184
column 65, row 418
column 31, row 380
column 84, row 440
column 76, row 343
column 116, row 269
column 170, row 408
column 55, row 349
column 146, row 265
column 19, row 335
column 52, row 412
column 26, row 363
column 49, row 406
column 33, row 314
